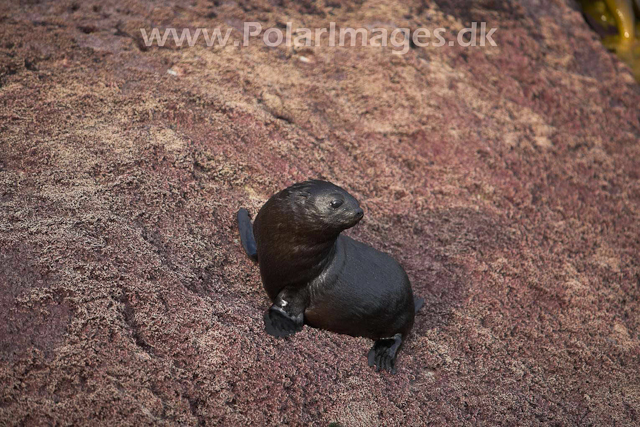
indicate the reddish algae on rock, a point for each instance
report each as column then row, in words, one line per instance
column 504, row 179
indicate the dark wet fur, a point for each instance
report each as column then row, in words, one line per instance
column 316, row 276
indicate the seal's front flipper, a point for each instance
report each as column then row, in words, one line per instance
column 384, row 352
column 279, row 323
column 246, row 234
column 286, row 316
column 417, row 303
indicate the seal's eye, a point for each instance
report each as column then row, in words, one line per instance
column 336, row 203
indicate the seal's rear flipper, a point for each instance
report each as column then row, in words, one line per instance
column 246, row 234
column 418, row 303
column 384, row 352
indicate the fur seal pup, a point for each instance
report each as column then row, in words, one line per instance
column 315, row 275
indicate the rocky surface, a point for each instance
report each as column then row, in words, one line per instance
column 506, row 181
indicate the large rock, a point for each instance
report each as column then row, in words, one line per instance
column 505, row 179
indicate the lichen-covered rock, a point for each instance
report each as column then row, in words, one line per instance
column 505, row 179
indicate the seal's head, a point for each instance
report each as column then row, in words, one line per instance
column 320, row 206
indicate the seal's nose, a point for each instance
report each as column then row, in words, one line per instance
column 359, row 213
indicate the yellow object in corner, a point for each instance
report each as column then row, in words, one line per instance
column 617, row 15
column 625, row 19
